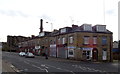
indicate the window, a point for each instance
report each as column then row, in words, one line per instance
column 104, row 52
column 63, row 30
column 86, row 40
column 71, row 53
column 54, row 42
column 104, row 40
column 71, row 39
column 50, row 41
column 94, row 40
column 84, row 53
column 58, row 40
column 63, row 40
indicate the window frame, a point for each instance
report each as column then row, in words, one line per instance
column 95, row 40
column 71, row 39
column 104, row 40
column 86, row 40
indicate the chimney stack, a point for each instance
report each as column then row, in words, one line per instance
column 41, row 25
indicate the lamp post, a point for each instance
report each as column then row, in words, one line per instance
column 51, row 26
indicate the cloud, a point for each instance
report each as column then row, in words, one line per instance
column 13, row 13
column 46, row 17
column 110, row 12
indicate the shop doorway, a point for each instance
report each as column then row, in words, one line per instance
column 88, row 55
column 95, row 54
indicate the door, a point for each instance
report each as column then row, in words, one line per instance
column 95, row 54
column 88, row 55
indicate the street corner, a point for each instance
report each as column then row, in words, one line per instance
column 7, row 67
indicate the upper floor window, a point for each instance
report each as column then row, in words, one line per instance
column 59, row 41
column 54, row 41
column 71, row 39
column 86, row 40
column 63, row 30
column 104, row 40
column 63, row 40
column 94, row 40
column 50, row 41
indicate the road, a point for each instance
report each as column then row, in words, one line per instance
column 54, row 65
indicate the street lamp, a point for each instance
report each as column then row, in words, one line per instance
column 51, row 26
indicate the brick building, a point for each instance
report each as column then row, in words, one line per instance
column 85, row 42
column 116, row 50
column 12, row 42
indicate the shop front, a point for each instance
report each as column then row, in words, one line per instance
column 87, row 53
column 71, row 51
column 53, row 50
column 62, row 51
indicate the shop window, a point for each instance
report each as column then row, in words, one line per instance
column 104, row 54
column 84, row 53
column 71, row 52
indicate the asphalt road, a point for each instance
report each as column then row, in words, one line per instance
column 52, row 65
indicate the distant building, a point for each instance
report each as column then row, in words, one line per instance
column 12, row 42
column 116, row 50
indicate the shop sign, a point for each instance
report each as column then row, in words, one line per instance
column 87, row 48
column 71, row 47
column 37, row 47
column 54, row 45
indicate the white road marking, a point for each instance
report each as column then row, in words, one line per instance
column 25, row 69
column 36, row 66
column 60, row 68
column 26, row 62
column 87, row 68
column 46, row 70
column 11, row 66
column 42, row 65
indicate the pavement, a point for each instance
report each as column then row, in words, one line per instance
column 8, row 68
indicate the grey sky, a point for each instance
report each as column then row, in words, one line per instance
column 21, row 17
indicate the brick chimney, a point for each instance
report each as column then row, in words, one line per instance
column 41, row 25
column 74, row 26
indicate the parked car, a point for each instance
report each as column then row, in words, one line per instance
column 29, row 55
column 22, row 54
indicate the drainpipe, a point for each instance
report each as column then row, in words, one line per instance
column 110, row 48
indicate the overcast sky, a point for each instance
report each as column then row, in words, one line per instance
column 22, row 17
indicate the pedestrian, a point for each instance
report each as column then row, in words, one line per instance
column 46, row 55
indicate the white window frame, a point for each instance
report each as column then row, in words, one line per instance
column 86, row 40
column 71, row 39
column 69, row 55
column 63, row 30
column 94, row 40
column 104, row 57
column 59, row 41
column 63, row 40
